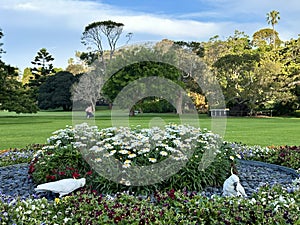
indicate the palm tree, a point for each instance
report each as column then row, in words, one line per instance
column 272, row 18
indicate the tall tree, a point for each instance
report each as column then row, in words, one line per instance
column 290, row 53
column 93, row 35
column 237, row 78
column 196, row 47
column 272, row 18
column 87, row 91
column 42, row 64
column 291, row 60
column 140, row 69
column 42, row 69
column 243, row 76
column 55, row 91
column 13, row 96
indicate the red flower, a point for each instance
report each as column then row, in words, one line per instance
column 89, row 172
column 282, row 154
column 75, row 175
column 171, row 194
column 69, row 168
column 61, row 173
column 117, row 219
column 50, row 177
column 31, row 168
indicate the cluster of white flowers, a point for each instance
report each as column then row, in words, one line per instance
column 280, row 202
column 61, row 136
column 153, row 144
column 247, row 152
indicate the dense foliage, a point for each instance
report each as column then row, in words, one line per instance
column 255, row 77
column 41, row 70
column 13, row 96
column 55, row 92
column 154, row 105
column 255, row 73
column 132, row 64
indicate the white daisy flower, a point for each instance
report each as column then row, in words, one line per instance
column 124, row 152
column 153, row 160
column 163, row 153
column 132, row 155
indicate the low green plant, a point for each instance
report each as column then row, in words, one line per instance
column 288, row 156
column 18, row 156
column 55, row 163
column 270, row 205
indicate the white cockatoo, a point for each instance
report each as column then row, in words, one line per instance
column 62, row 187
column 233, row 187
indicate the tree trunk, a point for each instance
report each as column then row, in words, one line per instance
column 274, row 37
column 132, row 113
column 179, row 104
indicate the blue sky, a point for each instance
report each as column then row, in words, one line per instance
column 57, row 25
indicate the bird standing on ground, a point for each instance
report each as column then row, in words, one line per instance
column 233, row 187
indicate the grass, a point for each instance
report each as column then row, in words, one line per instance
column 18, row 131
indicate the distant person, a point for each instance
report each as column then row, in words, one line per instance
column 89, row 112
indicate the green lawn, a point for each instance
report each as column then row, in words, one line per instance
column 23, row 129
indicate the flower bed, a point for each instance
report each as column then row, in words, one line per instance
column 17, row 156
column 62, row 158
column 269, row 206
column 288, row 156
column 169, row 203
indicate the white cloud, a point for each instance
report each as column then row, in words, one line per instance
column 77, row 14
column 26, row 6
column 167, row 27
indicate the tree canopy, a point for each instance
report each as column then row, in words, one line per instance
column 94, row 32
column 255, row 72
column 265, row 37
column 55, row 91
column 254, row 75
column 42, row 69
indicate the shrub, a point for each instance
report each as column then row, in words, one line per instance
column 155, row 106
column 284, row 108
column 58, row 163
